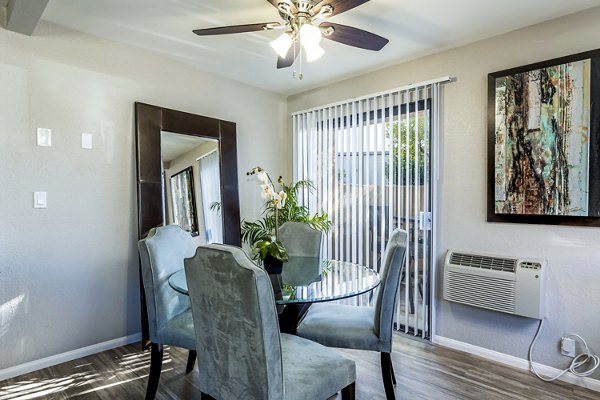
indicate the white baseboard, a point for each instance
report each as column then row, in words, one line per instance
column 31, row 366
column 588, row 383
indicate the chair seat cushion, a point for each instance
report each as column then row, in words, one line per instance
column 312, row 371
column 340, row 325
column 179, row 331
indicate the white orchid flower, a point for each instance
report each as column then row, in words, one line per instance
column 283, row 197
column 277, row 200
column 267, row 192
column 263, row 178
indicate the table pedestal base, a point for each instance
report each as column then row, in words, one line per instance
column 291, row 315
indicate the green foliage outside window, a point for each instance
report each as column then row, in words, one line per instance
column 403, row 150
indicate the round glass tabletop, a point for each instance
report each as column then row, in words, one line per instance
column 310, row 280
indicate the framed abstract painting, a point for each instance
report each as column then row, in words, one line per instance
column 184, row 201
column 544, row 142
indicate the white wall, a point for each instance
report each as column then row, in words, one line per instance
column 573, row 253
column 68, row 273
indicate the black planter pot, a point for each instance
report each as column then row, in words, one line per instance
column 273, row 265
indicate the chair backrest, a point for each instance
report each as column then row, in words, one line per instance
column 300, row 239
column 392, row 264
column 162, row 253
column 237, row 332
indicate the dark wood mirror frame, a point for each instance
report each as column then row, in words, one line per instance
column 150, row 121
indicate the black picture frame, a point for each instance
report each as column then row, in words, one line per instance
column 183, row 200
column 516, row 171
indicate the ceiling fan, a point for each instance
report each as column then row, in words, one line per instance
column 306, row 23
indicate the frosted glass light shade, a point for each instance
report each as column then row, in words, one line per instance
column 309, row 35
column 282, row 44
column 313, row 52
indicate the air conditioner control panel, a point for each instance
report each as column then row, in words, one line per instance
column 530, row 265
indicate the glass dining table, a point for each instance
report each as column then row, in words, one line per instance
column 307, row 280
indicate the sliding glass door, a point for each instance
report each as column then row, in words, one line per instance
column 370, row 162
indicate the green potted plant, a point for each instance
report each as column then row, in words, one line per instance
column 263, row 234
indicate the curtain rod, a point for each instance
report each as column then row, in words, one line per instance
column 444, row 79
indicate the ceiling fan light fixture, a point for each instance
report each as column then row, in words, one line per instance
column 282, row 44
column 313, row 52
column 309, row 35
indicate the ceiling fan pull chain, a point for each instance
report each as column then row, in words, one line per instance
column 294, row 62
column 301, row 56
column 298, row 61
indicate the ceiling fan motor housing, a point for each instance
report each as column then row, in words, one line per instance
column 302, row 11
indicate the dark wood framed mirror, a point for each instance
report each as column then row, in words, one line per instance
column 150, row 121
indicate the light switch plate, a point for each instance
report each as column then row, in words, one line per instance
column 39, row 200
column 44, row 137
column 86, row 141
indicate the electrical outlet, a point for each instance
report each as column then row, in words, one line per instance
column 567, row 347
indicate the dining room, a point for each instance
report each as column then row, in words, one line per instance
column 309, row 214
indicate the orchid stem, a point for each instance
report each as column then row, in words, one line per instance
column 276, row 224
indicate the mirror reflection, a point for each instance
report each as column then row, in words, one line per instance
column 191, row 182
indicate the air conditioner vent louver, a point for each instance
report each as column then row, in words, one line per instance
column 492, row 293
column 510, row 285
column 478, row 261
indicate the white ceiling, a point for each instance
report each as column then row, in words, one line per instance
column 414, row 27
column 174, row 145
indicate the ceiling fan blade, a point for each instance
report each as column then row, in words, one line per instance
column 222, row 30
column 339, row 6
column 354, row 37
column 288, row 60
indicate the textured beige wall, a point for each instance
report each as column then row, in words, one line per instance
column 68, row 273
column 573, row 253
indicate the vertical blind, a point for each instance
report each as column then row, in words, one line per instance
column 369, row 159
column 210, row 184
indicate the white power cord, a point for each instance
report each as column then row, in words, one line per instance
column 578, row 361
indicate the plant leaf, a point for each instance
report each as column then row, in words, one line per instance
column 277, row 250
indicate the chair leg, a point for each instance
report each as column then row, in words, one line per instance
column 386, row 373
column 190, row 362
column 348, row 393
column 156, row 356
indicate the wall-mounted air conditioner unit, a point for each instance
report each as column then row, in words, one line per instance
column 506, row 284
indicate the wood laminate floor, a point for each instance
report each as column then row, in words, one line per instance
column 423, row 371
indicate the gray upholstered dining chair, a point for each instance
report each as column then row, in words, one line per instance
column 244, row 356
column 300, row 239
column 363, row 328
column 169, row 315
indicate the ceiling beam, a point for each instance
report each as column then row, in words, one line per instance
column 22, row 16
